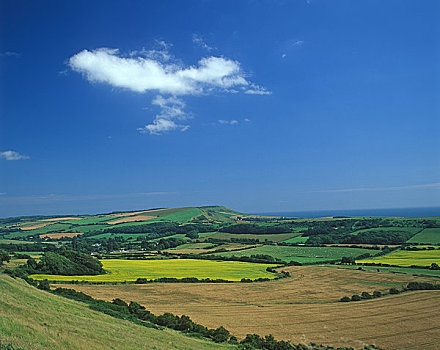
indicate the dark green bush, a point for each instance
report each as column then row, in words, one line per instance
column 356, row 298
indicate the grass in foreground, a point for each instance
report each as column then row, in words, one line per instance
column 130, row 270
column 33, row 319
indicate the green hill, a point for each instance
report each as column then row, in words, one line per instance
column 45, row 226
column 34, row 319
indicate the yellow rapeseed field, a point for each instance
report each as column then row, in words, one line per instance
column 406, row 258
column 129, row 270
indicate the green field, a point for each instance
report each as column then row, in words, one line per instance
column 406, row 258
column 428, row 235
column 92, row 220
column 125, row 235
column 54, row 227
column 33, row 319
column 275, row 237
column 412, row 230
column 130, row 270
column 301, row 254
column 184, row 215
column 14, row 241
column 297, row 239
column 178, row 235
column 193, row 246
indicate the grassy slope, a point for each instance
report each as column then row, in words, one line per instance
column 33, row 319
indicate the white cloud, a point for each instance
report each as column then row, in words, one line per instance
column 229, row 122
column 247, row 120
column 142, row 74
column 157, row 71
column 197, row 39
column 172, row 109
column 12, row 155
column 435, row 185
column 283, row 55
column 257, row 90
column 160, row 52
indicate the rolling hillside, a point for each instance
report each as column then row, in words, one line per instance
column 68, row 226
column 33, row 319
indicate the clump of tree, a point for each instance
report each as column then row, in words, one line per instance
column 434, row 266
column 256, row 229
column 363, row 296
column 4, row 256
column 422, row 286
column 161, row 228
column 65, row 263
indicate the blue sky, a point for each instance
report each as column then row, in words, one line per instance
column 256, row 105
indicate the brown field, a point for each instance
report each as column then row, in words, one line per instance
column 302, row 308
column 131, row 219
column 61, row 235
column 32, row 227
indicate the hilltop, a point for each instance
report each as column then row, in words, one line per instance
column 59, row 226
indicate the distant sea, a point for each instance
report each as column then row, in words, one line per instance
column 399, row 212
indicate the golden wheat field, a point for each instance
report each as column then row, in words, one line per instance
column 302, row 308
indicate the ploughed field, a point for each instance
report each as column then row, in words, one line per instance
column 303, row 308
column 130, row 270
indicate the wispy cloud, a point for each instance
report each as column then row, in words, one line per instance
column 257, row 90
column 435, row 185
column 198, row 40
column 228, row 122
column 12, row 155
column 172, row 109
column 9, row 54
column 290, row 45
column 158, row 71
